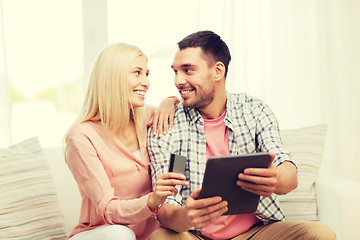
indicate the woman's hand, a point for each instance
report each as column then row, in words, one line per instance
column 165, row 187
column 164, row 115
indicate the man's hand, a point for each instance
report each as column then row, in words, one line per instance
column 203, row 212
column 261, row 181
column 266, row 181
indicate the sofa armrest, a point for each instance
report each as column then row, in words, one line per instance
column 337, row 200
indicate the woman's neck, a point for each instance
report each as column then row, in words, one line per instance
column 128, row 137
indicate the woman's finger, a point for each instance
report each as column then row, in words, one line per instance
column 171, row 182
column 171, row 121
column 160, row 125
column 165, row 122
column 171, row 175
column 166, row 188
column 155, row 123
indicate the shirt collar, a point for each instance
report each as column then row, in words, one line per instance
column 194, row 115
column 232, row 110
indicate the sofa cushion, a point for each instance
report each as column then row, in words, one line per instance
column 28, row 201
column 306, row 147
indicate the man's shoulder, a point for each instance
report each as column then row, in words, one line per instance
column 183, row 115
column 244, row 101
column 181, row 112
column 180, row 122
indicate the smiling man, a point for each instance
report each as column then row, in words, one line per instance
column 211, row 122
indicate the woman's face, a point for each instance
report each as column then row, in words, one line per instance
column 138, row 82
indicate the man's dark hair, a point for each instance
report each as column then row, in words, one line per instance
column 212, row 46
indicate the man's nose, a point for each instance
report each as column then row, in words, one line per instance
column 179, row 80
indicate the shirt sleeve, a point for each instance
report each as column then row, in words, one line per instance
column 158, row 159
column 93, row 182
column 159, row 153
column 268, row 136
column 158, row 156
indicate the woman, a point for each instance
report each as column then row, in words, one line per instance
column 106, row 150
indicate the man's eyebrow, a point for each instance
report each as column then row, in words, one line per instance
column 184, row 65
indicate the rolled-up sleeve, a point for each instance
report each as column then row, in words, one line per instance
column 159, row 156
column 268, row 135
column 159, row 153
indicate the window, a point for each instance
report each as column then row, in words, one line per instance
column 43, row 43
column 155, row 27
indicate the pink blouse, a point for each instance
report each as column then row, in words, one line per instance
column 114, row 184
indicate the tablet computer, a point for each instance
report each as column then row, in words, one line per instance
column 221, row 174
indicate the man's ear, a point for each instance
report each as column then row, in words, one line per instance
column 219, row 70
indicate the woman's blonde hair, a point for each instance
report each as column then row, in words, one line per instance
column 107, row 98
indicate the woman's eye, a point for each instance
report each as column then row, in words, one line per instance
column 137, row 72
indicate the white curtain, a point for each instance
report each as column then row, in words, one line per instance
column 5, row 132
column 95, row 32
column 302, row 57
column 340, row 75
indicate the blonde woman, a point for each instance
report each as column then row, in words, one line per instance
column 106, row 150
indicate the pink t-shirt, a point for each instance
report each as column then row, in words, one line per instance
column 217, row 144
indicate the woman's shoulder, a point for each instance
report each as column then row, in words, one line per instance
column 85, row 128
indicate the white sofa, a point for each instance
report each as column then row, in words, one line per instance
column 338, row 205
column 336, row 198
column 327, row 198
column 65, row 184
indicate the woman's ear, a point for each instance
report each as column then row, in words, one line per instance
column 219, row 70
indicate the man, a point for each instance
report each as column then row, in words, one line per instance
column 209, row 122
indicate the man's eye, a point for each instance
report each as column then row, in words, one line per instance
column 188, row 70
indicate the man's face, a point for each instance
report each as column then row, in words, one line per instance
column 193, row 78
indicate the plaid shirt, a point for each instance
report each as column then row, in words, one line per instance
column 252, row 127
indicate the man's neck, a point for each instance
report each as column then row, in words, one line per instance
column 215, row 108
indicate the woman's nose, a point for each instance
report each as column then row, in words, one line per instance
column 145, row 81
